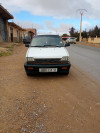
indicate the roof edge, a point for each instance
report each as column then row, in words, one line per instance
column 10, row 16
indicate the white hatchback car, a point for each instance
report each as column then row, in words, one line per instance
column 45, row 54
column 71, row 40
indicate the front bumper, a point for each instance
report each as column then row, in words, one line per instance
column 31, row 69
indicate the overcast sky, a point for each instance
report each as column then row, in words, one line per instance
column 56, row 16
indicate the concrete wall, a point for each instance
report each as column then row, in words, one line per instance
column 84, row 39
column 94, row 40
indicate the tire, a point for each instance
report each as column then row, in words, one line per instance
column 65, row 73
column 28, row 74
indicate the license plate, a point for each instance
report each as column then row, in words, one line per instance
column 47, row 69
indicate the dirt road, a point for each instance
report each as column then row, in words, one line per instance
column 50, row 103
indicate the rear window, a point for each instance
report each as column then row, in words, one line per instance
column 72, row 38
column 27, row 37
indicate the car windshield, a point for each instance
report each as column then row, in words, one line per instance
column 47, row 41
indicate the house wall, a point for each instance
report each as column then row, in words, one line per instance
column 27, row 32
column 3, row 30
column 17, row 34
column 0, row 31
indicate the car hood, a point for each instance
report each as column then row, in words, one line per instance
column 47, row 52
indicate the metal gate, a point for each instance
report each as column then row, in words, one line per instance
column 3, row 30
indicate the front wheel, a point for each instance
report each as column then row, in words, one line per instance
column 65, row 73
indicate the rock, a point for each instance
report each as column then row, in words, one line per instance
column 98, row 104
column 24, row 129
column 44, row 106
column 90, row 108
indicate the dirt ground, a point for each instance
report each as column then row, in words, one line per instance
column 46, row 103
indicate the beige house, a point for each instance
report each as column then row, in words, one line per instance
column 15, row 32
column 9, row 31
column 30, row 32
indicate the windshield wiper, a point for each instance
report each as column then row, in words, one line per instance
column 59, row 46
column 51, row 45
column 37, row 46
column 47, row 46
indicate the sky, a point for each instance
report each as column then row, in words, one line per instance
column 54, row 16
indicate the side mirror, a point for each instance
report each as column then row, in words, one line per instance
column 67, row 44
column 26, row 45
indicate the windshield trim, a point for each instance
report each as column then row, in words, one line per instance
column 45, row 46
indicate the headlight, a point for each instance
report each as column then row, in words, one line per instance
column 30, row 59
column 65, row 58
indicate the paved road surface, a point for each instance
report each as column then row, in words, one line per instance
column 87, row 59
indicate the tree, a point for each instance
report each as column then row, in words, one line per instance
column 90, row 33
column 99, row 32
column 72, row 31
column 64, row 35
column 84, row 34
column 96, row 31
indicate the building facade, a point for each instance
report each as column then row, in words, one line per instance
column 15, row 32
column 11, row 32
column 30, row 32
column 4, row 17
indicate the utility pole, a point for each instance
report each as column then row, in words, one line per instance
column 81, row 11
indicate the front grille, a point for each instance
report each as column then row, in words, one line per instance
column 47, row 61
